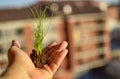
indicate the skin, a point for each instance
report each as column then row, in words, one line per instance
column 21, row 67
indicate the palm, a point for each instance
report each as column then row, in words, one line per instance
column 55, row 54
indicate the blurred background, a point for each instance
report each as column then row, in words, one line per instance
column 91, row 27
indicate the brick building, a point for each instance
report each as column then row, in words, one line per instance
column 78, row 22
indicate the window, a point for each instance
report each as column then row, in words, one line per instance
column 1, row 49
column 19, row 31
column 0, row 33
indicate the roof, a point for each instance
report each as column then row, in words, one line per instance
column 22, row 13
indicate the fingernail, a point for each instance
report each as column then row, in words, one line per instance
column 14, row 43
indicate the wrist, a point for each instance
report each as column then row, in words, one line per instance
column 3, row 78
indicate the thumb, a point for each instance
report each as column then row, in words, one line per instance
column 15, row 43
column 16, row 55
column 11, row 52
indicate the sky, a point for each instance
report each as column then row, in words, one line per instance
column 109, row 1
column 22, row 3
column 16, row 3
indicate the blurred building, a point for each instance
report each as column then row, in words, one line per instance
column 80, row 23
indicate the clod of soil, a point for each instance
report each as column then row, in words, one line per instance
column 38, row 59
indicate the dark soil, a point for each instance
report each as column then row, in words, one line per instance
column 38, row 59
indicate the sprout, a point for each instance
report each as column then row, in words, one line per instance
column 39, row 31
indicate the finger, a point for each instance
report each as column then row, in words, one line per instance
column 51, row 57
column 46, row 67
column 14, row 50
column 57, row 47
column 51, row 50
column 54, row 52
column 15, row 43
column 62, row 46
column 51, row 45
column 11, row 54
column 57, row 61
column 17, row 56
column 45, row 50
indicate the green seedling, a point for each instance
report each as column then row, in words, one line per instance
column 37, row 56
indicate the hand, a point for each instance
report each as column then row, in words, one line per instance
column 21, row 66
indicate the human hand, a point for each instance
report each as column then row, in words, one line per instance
column 21, row 66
